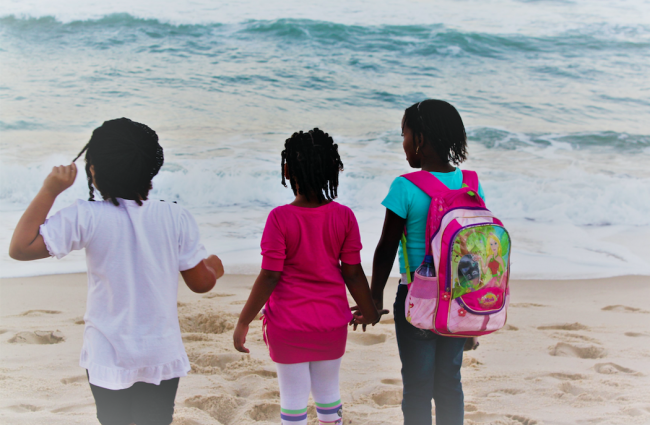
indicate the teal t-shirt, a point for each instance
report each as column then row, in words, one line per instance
column 407, row 201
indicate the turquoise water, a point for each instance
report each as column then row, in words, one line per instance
column 555, row 96
column 587, row 79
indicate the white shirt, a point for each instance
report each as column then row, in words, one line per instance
column 133, row 254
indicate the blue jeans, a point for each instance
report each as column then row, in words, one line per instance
column 430, row 370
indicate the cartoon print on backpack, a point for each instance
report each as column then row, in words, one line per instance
column 494, row 264
column 469, row 274
column 480, row 255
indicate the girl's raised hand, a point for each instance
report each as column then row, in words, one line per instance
column 61, row 178
column 26, row 243
column 239, row 337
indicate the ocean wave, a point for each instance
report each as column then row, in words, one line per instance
column 424, row 40
column 591, row 78
column 561, row 200
column 21, row 125
column 557, row 188
column 601, row 141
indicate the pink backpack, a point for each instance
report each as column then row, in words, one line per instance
column 470, row 249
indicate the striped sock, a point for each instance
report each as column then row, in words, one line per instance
column 330, row 413
column 294, row 417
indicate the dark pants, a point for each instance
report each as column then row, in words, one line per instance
column 142, row 404
column 430, row 370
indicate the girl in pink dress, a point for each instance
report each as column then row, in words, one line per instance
column 311, row 252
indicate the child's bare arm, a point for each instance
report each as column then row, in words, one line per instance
column 357, row 283
column 202, row 277
column 262, row 290
column 26, row 242
column 385, row 255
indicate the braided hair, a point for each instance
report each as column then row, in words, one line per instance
column 313, row 164
column 125, row 156
column 440, row 124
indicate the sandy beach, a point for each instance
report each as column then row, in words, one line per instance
column 573, row 352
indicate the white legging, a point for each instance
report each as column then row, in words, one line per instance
column 296, row 380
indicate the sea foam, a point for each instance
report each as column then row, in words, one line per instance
column 564, row 214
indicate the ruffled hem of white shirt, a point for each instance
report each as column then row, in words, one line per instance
column 119, row 379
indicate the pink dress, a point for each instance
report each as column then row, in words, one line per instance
column 308, row 313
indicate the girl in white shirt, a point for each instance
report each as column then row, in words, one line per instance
column 132, row 350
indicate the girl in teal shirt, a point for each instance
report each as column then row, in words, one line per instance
column 434, row 141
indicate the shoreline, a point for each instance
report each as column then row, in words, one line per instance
column 572, row 351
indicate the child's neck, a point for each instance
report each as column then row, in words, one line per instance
column 301, row 201
column 436, row 165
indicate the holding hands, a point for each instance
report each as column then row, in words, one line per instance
column 359, row 319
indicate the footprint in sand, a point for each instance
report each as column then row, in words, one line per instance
column 38, row 337
column 38, row 312
column 79, row 321
column 3, row 331
column 217, row 295
column 635, row 412
column 574, row 337
column 73, row 408
column 270, row 395
column 24, row 408
column 221, row 406
column 217, row 360
column 366, row 338
column 567, row 376
column 211, row 323
column 569, row 388
column 583, row 396
column 506, row 391
column 636, row 334
column 562, row 349
column 510, row 328
column 238, row 302
column 74, row 379
column 212, row 364
column 522, row 420
column 613, row 368
column 624, row 309
column 525, row 305
column 391, row 381
column 387, row 396
column 196, row 337
column 483, row 417
column 264, row 412
column 192, row 416
column 470, row 362
column 565, row 327
column 259, row 372
column 477, row 416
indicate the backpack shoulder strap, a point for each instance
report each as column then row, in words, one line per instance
column 470, row 178
column 426, row 182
